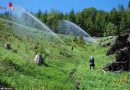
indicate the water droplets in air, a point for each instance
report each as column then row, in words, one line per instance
column 68, row 28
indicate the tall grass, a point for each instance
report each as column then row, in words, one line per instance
column 18, row 70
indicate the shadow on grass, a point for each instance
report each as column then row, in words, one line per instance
column 5, row 86
column 57, row 68
column 10, row 67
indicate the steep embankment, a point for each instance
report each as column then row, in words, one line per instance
column 17, row 66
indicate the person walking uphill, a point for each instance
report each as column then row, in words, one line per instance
column 92, row 64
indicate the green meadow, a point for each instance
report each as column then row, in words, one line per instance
column 64, row 70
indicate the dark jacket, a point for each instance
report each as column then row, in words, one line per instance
column 92, row 62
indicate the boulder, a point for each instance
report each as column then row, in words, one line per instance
column 38, row 59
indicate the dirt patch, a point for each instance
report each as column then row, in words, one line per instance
column 75, row 79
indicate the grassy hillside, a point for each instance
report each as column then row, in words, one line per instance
column 65, row 69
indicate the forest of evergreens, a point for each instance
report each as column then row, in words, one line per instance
column 93, row 21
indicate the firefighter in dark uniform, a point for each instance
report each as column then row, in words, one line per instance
column 92, row 64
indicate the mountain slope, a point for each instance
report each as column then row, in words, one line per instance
column 64, row 69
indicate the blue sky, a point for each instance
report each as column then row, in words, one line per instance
column 65, row 5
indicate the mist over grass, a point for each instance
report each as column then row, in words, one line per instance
column 18, row 70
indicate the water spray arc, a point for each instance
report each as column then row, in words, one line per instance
column 68, row 28
column 27, row 19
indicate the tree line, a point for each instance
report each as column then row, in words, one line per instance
column 93, row 21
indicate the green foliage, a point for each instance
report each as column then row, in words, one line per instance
column 81, row 40
column 93, row 21
column 18, row 70
column 72, row 16
column 39, row 13
column 75, row 39
column 65, row 68
column 111, row 29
